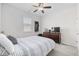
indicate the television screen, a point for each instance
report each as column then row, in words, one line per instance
column 57, row 29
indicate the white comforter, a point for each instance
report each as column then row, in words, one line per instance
column 33, row 46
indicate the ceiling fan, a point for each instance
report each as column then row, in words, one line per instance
column 41, row 7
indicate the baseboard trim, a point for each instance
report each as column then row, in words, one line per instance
column 68, row 45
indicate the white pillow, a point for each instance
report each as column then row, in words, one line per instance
column 6, row 43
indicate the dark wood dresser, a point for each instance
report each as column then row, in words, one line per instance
column 56, row 36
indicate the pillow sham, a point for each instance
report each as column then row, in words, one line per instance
column 6, row 43
column 12, row 39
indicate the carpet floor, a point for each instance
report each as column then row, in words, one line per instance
column 64, row 50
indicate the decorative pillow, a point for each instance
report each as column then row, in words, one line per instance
column 12, row 39
column 6, row 43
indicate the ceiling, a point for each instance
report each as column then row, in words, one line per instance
column 56, row 7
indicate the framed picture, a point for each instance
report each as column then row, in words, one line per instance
column 36, row 27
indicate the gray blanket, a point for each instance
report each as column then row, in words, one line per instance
column 3, row 51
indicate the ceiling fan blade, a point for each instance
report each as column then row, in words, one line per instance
column 34, row 6
column 47, row 7
column 42, row 11
column 35, row 10
column 39, row 4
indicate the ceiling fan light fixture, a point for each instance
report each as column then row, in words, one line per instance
column 40, row 8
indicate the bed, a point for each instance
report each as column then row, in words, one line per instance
column 30, row 46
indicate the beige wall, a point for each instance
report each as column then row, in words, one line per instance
column 0, row 16
column 12, row 21
column 63, row 16
column 77, row 24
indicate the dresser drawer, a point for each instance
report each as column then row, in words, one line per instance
column 53, row 36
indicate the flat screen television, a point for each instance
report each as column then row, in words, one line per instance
column 56, row 29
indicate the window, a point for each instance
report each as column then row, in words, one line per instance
column 27, row 24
